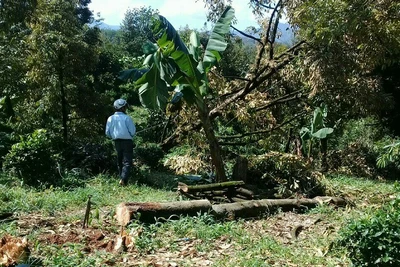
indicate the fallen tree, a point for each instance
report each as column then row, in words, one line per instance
column 153, row 211
column 217, row 192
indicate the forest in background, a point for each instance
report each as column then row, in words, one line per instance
column 289, row 118
column 330, row 99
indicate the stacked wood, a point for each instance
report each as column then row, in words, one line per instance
column 225, row 192
column 153, row 211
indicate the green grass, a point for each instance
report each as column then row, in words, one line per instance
column 188, row 241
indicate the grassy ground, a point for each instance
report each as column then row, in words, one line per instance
column 51, row 220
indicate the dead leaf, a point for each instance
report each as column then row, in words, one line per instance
column 13, row 250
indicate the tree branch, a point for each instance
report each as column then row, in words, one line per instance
column 263, row 131
column 283, row 99
column 247, row 35
column 262, row 5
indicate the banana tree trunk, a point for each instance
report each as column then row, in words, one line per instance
column 215, row 149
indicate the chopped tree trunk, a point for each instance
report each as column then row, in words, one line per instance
column 208, row 187
column 149, row 212
column 245, row 192
column 254, row 208
column 229, row 191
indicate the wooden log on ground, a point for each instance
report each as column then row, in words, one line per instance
column 254, row 208
column 208, row 187
column 148, row 212
column 238, row 199
column 245, row 192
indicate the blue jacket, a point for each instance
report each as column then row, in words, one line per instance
column 120, row 126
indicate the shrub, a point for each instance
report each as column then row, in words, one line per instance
column 374, row 240
column 287, row 174
column 358, row 159
column 364, row 131
column 186, row 160
column 149, row 154
column 33, row 159
column 6, row 141
column 90, row 157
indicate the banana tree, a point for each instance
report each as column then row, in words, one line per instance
column 175, row 67
column 317, row 130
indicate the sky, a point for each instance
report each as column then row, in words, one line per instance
column 178, row 12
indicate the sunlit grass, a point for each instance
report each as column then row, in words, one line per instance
column 230, row 243
column 103, row 190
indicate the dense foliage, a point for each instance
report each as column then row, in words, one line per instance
column 33, row 159
column 284, row 175
column 247, row 94
column 374, row 240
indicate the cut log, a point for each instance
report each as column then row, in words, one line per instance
column 149, row 212
column 208, row 187
column 238, row 199
column 245, row 192
column 254, row 208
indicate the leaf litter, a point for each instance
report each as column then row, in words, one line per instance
column 121, row 246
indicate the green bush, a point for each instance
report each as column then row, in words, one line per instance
column 364, row 131
column 149, row 154
column 356, row 159
column 90, row 157
column 6, row 141
column 374, row 240
column 287, row 174
column 33, row 159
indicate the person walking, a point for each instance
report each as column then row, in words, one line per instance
column 121, row 128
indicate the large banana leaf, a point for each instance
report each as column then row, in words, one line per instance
column 217, row 42
column 153, row 92
column 172, row 48
column 161, row 26
column 188, row 67
column 149, row 48
column 322, row 133
column 131, row 74
column 318, row 120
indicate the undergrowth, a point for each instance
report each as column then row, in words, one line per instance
column 198, row 240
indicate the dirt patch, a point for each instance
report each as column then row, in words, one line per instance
column 92, row 239
column 286, row 228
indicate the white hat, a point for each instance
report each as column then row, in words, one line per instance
column 120, row 103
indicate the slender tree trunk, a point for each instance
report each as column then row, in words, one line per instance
column 63, row 98
column 287, row 146
column 324, row 150
column 215, row 149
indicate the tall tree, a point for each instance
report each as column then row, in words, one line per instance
column 135, row 29
column 172, row 64
column 14, row 29
column 63, row 53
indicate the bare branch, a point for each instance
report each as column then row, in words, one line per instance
column 272, row 41
column 254, row 83
column 262, row 5
column 247, row 35
column 260, row 131
column 283, row 99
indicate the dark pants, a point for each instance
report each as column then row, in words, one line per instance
column 124, row 148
